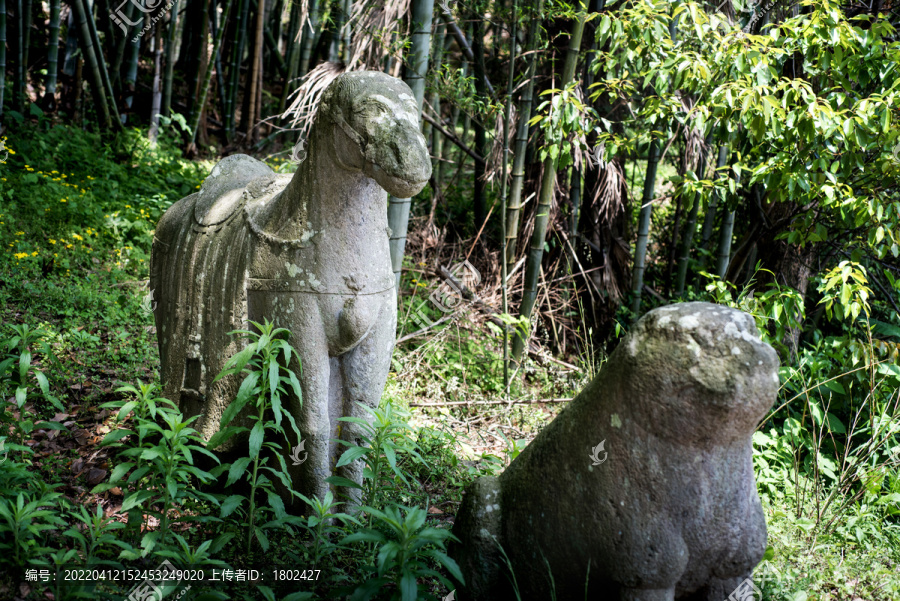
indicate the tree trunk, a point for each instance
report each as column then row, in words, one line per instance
column 420, row 41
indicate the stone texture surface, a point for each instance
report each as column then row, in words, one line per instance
column 308, row 252
column 671, row 510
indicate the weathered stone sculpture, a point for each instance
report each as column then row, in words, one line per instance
column 666, row 508
column 308, row 252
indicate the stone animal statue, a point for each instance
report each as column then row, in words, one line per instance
column 666, row 507
column 308, row 252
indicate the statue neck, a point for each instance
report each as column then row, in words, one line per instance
column 323, row 194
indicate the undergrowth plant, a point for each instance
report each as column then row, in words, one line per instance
column 383, row 439
column 265, row 361
column 162, row 471
column 406, row 550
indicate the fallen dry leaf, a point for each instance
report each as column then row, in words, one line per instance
column 96, row 476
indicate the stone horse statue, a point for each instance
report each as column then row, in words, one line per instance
column 308, row 252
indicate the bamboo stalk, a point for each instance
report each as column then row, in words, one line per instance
column 514, row 209
column 640, row 248
column 207, row 77
column 507, row 117
column 170, row 60
column 687, row 240
column 101, row 63
column 253, row 79
column 2, row 55
column 116, row 64
column 542, row 213
column 479, row 202
column 710, row 217
column 726, row 233
column 414, row 76
column 234, row 70
column 88, row 50
column 52, row 58
column 153, row 133
column 293, row 61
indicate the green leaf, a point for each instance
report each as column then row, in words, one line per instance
column 276, row 504
column 409, row 590
column 298, row 596
column 223, row 435
column 115, row 435
column 351, row 455
column 135, row 499
column 240, row 400
column 266, row 592
column 120, row 470
column 237, row 470
column 341, row 481
column 256, row 439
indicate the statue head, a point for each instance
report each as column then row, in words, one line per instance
column 377, row 131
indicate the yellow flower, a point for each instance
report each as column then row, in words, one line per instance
column 68, row 246
column 127, row 206
column 77, row 237
column 52, row 241
column 21, row 255
column 64, row 175
column 62, row 200
column 20, row 233
column 11, row 151
column 34, row 254
column 54, row 171
column 55, row 255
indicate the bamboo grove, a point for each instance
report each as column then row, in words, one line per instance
column 597, row 159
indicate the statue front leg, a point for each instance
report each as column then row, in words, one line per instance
column 300, row 314
column 364, row 372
